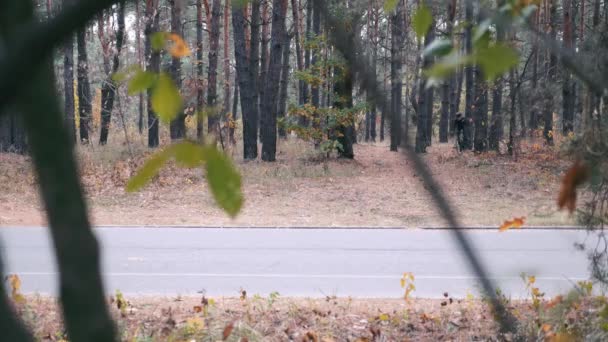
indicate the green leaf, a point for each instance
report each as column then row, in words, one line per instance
column 439, row 47
column 148, row 170
column 166, row 100
column 390, row 5
column 422, row 20
column 119, row 76
column 447, row 65
column 496, row 60
column 158, row 40
column 141, row 81
column 482, row 29
column 188, row 154
column 224, row 181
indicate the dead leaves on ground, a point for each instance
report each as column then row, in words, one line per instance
column 574, row 177
column 516, row 222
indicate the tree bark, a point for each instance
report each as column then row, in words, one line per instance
column 425, row 102
column 84, row 90
column 245, row 80
column 152, row 65
column 282, row 107
column 567, row 94
column 177, row 128
column 109, row 88
column 548, row 104
column 469, row 77
column 140, row 108
column 226, row 63
column 68, row 83
column 396, row 45
column 269, row 114
column 295, row 9
column 343, row 87
column 315, row 98
column 200, row 93
column 496, row 122
column 214, row 39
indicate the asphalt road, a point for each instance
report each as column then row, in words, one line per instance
column 305, row 262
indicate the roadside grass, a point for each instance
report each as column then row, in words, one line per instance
column 378, row 188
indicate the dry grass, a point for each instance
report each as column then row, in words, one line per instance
column 376, row 189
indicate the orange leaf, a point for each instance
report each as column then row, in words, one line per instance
column 198, row 308
column 554, row 302
column 546, row 327
column 227, row 331
column 517, row 222
column 180, row 48
column 574, row 177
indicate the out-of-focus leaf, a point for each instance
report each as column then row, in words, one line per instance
column 447, row 65
column 188, row 154
column 422, row 20
column 224, row 181
column 439, row 47
column 390, row 5
column 150, row 169
column 166, row 100
column 158, row 40
column 496, row 60
column 141, row 81
column 119, row 76
column 481, row 29
column 179, row 48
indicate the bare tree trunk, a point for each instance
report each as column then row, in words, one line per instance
column 316, row 30
column 567, row 94
column 396, row 45
column 282, row 109
column 68, row 82
column 109, row 88
column 496, row 122
column 469, row 77
column 152, row 65
column 226, row 57
column 269, row 114
column 214, row 39
column 140, row 117
column 548, row 104
column 84, row 90
column 200, row 93
column 177, row 127
column 309, row 10
column 425, row 101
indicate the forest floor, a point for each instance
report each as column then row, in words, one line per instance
column 275, row 318
column 376, row 189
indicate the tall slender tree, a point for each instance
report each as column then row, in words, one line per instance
column 551, row 73
column 226, row 61
column 140, row 108
column 270, row 100
column 177, row 127
column 214, row 39
column 200, row 92
column 84, row 88
column 444, row 119
column 68, row 82
column 283, row 91
column 469, row 74
column 109, row 88
column 152, row 65
column 496, row 122
column 397, row 27
column 567, row 93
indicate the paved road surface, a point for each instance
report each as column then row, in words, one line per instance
column 305, row 262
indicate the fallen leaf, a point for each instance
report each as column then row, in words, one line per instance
column 574, row 177
column 180, row 48
column 197, row 308
column 310, row 337
column 517, row 222
column 546, row 327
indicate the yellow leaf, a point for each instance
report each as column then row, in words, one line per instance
column 383, row 317
column 179, row 48
column 517, row 222
column 546, row 327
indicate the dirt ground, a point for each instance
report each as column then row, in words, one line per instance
column 376, row 189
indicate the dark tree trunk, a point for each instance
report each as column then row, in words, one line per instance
column 235, row 103
column 284, row 83
column 425, row 103
column 469, row 77
column 396, row 85
column 264, row 56
column 177, row 127
column 480, row 112
column 214, row 41
column 140, row 116
column 305, row 90
column 226, row 57
column 548, row 104
column 512, row 97
column 200, row 93
column 343, row 87
column 453, row 80
column 84, row 90
column 448, row 85
column 533, row 122
column 315, row 94
column 108, row 90
column 12, row 133
column 76, row 250
column 254, row 59
column 68, row 84
column 496, row 124
column 271, row 94
column 567, row 94
column 245, row 80
column 385, row 68
column 295, row 9
column 152, row 65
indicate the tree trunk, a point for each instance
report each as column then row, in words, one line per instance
column 68, row 83
column 469, row 80
column 269, row 114
column 567, row 94
column 177, row 127
column 512, row 95
column 396, row 85
column 548, row 104
column 429, row 92
column 152, row 65
column 264, row 40
column 295, row 9
column 307, row 51
column 284, row 83
column 343, row 87
column 496, row 122
column 245, row 80
column 84, row 90
column 235, row 103
column 481, row 112
column 214, row 41
column 533, row 122
column 200, row 93
column 448, row 85
column 140, row 116
column 425, row 103
column 226, row 57
column 315, row 98
column 108, row 90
